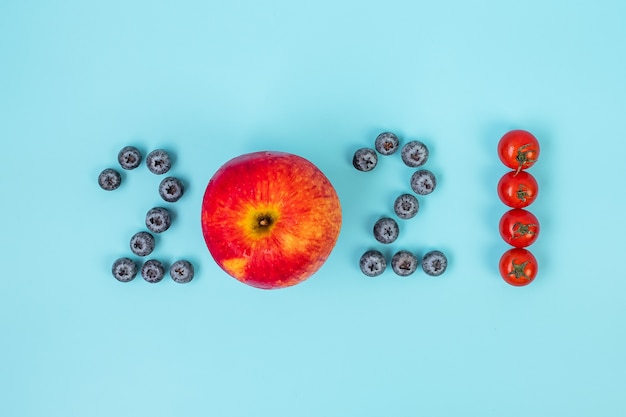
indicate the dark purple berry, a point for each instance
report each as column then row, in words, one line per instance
column 372, row 263
column 124, row 269
column 406, row 206
column 152, row 271
column 423, row 182
column 129, row 157
column 158, row 220
column 404, row 263
column 182, row 271
column 142, row 244
column 171, row 189
column 386, row 143
column 158, row 161
column 386, row 230
column 109, row 179
column 434, row 263
column 414, row 154
column 365, row 159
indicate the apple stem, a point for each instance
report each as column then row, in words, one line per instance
column 264, row 220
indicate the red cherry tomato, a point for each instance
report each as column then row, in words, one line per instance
column 518, row 267
column 519, row 228
column 517, row 190
column 518, row 149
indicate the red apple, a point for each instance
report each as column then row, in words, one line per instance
column 270, row 219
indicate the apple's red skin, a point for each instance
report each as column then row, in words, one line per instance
column 288, row 191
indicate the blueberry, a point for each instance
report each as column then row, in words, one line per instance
column 158, row 220
column 171, row 189
column 142, row 244
column 434, row 263
column 129, row 157
column 414, row 154
column 182, row 271
column 386, row 143
column 386, row 230
column 372, row 263
column 423, row 182
column 158, row 162
column 404, row 263
column 406, row 206
column 124, row 269
column 152, row 271
column 109, row 179
column 365, row 159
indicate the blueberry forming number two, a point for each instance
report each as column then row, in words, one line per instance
column 157, row 220
column 386, row 230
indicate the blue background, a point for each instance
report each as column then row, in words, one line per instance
column 211, row 80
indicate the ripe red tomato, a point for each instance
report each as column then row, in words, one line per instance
column 517, row 190
column 518, row 149
column 519, row 228
column 518, row 267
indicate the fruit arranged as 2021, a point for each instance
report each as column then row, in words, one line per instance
column 271, row 219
